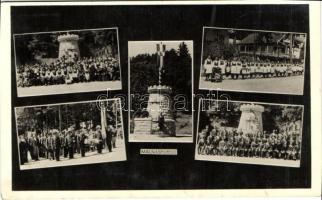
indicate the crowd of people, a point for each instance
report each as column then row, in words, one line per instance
column 238, row 68
column 284, row 144
column 66, row 70
column 54, row 145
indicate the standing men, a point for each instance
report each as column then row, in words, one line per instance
column 65, row 143
column 114, row 135
column 57, row 145
column 108, row 139
column 34, row 146
column 161, row 122
column 99, row 138
column 70, row 144
column 42, row 148
column 83, row 137
column 23, row 148
column 50, row 146
column 77, row 141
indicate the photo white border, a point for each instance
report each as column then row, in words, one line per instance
column 249, row 91
column 130, row 98
column 6, row 116
column 259, row 162
column 72, row 103
column 69, row 92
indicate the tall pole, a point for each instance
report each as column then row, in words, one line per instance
column 116, row 114
column 59, row 114
column 103, row 119
column 160, row 52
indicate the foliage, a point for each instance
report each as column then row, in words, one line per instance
column 274, row 116
column 217, row 50
column 43, row 118
column 30, row 47
column 223, row 112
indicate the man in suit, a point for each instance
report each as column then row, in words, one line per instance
column 99, row 138
column 114, row 136
column 70, row 144
column 57, row 145
column 23, row 148
column 65, row 143
column 161, row 123
column 77, row 141
column 83, row 138
column 111, row 134
column 34, row 146
column 50, row 146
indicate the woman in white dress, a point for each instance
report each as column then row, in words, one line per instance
column 208, row 66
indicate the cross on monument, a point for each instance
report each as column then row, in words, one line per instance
column 160, row 52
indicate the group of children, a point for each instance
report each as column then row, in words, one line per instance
column 67, row 71
column 219, row 69
column 223, row 142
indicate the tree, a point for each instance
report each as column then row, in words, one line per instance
column 30, row 47
column 226, row 114
column 262, row 39
column 274, row 116
column 92, row 42
column 218, row 46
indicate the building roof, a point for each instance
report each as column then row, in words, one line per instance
column 250, row 39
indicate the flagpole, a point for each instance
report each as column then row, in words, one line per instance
column 59, row 114
column 116, row 122
column 161, row 62
column 103, row 120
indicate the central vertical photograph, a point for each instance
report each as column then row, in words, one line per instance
column 160, row 91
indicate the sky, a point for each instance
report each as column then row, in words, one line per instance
column 149, row 47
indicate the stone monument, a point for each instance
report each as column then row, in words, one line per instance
column 251, row 119
column 160, row 103
column 68, row 45
column 159, row 106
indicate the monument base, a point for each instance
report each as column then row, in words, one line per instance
column 148, row 126
column 143, row 125
column 170, row 127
